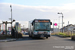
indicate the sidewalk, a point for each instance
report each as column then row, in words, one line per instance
column 8, row 40
column 12, row 39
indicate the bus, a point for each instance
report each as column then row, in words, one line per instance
column 40, row 28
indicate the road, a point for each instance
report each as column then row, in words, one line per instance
column 52, row 43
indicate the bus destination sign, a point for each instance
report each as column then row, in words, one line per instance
column 42, row 21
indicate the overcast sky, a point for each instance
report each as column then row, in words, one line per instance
column 26, row 10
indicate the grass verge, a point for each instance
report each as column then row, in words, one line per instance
column 62, row 34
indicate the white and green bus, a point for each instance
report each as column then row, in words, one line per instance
column 40, row 28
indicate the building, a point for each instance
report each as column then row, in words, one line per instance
column 54, row 30
column 69, row 28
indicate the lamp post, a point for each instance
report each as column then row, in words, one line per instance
column 11, row 17
column 62, row 20
column 59, row 22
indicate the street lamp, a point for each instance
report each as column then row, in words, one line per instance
column 11, row 17
column 62, row 20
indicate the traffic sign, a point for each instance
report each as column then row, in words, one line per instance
column 55, row 24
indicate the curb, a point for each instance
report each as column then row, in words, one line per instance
column 62, row 36
column 8, row 40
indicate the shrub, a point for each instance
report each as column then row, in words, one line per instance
column 73, row 37
column 64, row 34
column 19, row 35
column 73, row 34
column 61, row 33
column 5, row 36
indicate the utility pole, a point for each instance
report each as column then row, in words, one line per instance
column 68, row 30
column 68, row 22
column 62, row 21
column 53, row 27
column 6, row 27
column 0, row 27
column 53, row 24
column 11, row 17
column 59, row 22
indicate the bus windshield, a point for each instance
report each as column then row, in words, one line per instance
column 42, row 26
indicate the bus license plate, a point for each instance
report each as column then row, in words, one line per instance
column 42, row 35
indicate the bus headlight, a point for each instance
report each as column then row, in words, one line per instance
column 48, row 33
column 35, row 33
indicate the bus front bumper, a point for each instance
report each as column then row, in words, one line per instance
column 42, row 35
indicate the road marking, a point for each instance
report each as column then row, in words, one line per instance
column 68, row 38
column 55, row 38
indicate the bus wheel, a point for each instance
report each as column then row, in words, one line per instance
column 50, row 35
column 46, row 37
column 29, row 36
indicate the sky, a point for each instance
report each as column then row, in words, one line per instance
column 27, row 10
column 39, row 2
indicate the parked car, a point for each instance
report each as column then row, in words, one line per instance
column 4, row 32
column 1, row 32
column 8, row 32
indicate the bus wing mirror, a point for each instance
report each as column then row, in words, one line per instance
column 32, row 24
column 51, row 23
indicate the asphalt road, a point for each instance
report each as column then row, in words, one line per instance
column 52, row 43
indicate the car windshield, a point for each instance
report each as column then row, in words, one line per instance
column 42, row 26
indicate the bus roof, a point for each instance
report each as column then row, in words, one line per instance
column 40, row 19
